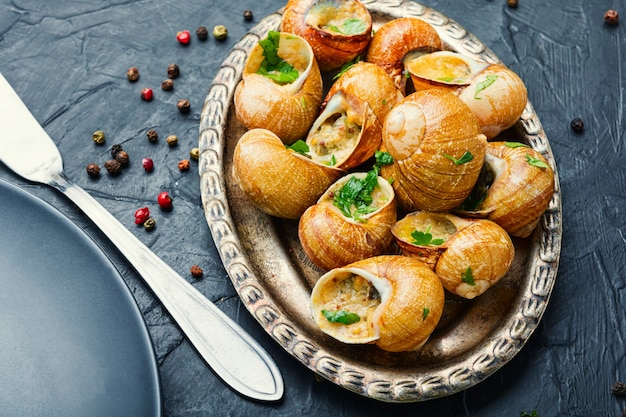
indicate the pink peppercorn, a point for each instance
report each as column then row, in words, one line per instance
column 164, row 200
column 147, row 164
column 183, row 37
column 147, row 94
column 142, row 215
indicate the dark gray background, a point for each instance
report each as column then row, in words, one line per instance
column 68, row 59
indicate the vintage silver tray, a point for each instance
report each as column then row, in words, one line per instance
column 269, row 270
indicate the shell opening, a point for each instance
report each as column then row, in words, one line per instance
column 439, row 226
column 338, row 17
column 443, row 67
column 380, row 196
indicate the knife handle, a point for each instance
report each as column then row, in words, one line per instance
column 227, row 348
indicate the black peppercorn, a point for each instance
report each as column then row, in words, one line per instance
column 173, row 71
column 202, row 33
column 132, row 74
column 611, row 17
column 152, row 135
column 167, row 85
column 115, row 149
column 512, row 3
column 618, row 388
column 247, row 15
column 113, row 166
column 577, row 124
column 93, row 170
column 184, row 106
column 123, row 158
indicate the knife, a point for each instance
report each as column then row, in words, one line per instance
column 232, row 353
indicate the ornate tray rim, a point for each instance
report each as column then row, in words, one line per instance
column 544, row 249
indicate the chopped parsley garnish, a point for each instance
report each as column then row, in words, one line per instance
column 425, row 313
column 516, row 145
column 383, row 158
column 532, row 414
column 333, row 161
column 489, row 79
column 358, row 193
column 467, row 276
column 474, row 201
column 425, row 238
column 273, row 66
column 350, row 26
column 299, row 146
column 536, row 162
column 465, row 158
column 345, row 67
column 341, row 316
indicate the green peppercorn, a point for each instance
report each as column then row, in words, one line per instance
column 149, row 224
column 152, row 135
column 172, row 140
column 194, row 154
column 98, row 137
column 220, row 32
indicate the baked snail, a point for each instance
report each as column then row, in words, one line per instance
column 392, row 301
column 468, row 255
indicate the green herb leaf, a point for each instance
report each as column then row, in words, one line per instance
column 273, row 66
column 341, row 316
column 383, row 158
column 299, row 146
column 465, row 158
column 358, row 193
column 345, row 67
column 467, row 276
column 532, row 414
column 425, row 313
column 489, row 79
column 516, row 145
column 333, row 161
column 472, row 202
column 536, row 162
column 351, row 26
column 425, row 238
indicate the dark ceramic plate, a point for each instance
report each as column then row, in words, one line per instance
column 72, row 339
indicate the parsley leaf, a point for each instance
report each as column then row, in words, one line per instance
column 350, row 26
column 358, row 193
column 516, row 145
column 273, row 66
column 425, row 238
column 425, row 313
column 536, row 162
column 345, row 67
column 299, row 146
column 532, row 414
column 341, row 316
column 467, row 276
column 489, row 79
column 465, row 158
column 383, row 158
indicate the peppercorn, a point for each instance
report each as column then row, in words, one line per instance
column 184, row 165
column 173, row 71
column 98, row 137
column 147, row 94
column 196, row 271
column 115, row 149
column 220, row 32
column 577, row 124
column 123, row 158
column 164, row 200
column 618, row 388
column 512, row 3
column 141, row 215
column 152, row 135
column 611, row 17
column 148, row 164
column 132, row 74
column 183, row 37
column 194, row 153
column 202, row 33
column 113, row 166
column 184, row 106
column 167, row 85
column 93, row 170
column 149, row 224
column 172, row 140
column 247, row 15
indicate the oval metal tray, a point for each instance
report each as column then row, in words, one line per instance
column 269, row 270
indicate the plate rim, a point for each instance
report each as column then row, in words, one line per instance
column 545, row 244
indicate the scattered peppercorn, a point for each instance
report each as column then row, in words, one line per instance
column 115, row 149
column 173, row 71
column 123, row 158
column 149, row 224
column 196, row 271
column 167, row 85
column 184, row 106
column 512, row 3
column 577, row 124
column 183, row 37
column 93, row 170
column 194, row 153
column 618, row 388
column 152, row 135
column 247, row 15
column 202, row 33
column 132, row 74
column 113, row 166
column 164, row 200
column 98, row 137
column 220, row 32
column 183, row 165
column 172, row 140
column 148, row 164
column 611, row 17
column 147, row 94
column 141, row 215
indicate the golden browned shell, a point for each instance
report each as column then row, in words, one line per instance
column 468, row 255
column 398, row 300
column 279, row 181
column 395, row 40
column 288, row 109
column 519, row 189
column 331, row 239
column 437, row 148
column 337, row 30
column 370, row 83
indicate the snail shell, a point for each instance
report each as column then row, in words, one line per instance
column 496, row 95
column 323, row 24
column 518, row 191
column 427, row 134
column 399, row 301
column 281, row 182
column 398, row 39
column 288, row 110
column 474, row 255
column 330, row 239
